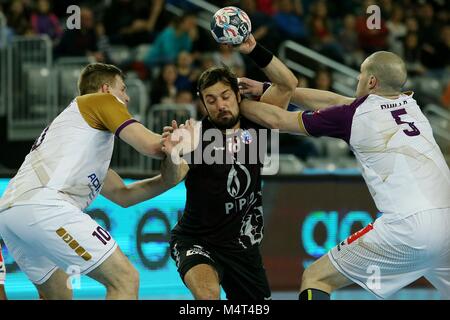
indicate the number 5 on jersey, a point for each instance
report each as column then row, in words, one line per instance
column 411, row 133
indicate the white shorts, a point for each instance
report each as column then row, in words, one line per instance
column 385, row 257
column 42, row 239
column 2, row 268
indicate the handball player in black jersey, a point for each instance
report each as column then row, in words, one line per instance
column 216, row 241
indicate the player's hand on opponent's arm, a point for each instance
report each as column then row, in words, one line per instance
column 173, row 126
column 313, row 99
column 180, row 140
column 173, row 172
column 250, row 87
column 177, row 141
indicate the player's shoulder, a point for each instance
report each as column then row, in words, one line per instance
column 98, row 98
column 358, row 101
column 363, row 104
column 374, row 101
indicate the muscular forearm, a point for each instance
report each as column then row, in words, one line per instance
column 143, row 140
column 280, row 75
column 283, row 80
column 173, row 172
column 115, row 189
column 318, row 99
column 271, row 117
column 283, row 84
column 267, row 117
column 143, row 190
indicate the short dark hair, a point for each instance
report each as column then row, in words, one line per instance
column 214, row 75
column 94, row 75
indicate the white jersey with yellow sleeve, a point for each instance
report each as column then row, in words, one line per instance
column 41, row 217
column 70, row 159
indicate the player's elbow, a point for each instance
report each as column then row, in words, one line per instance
column 291, row 82
column 288, row 86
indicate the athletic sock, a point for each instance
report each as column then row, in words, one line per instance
column 313, row 294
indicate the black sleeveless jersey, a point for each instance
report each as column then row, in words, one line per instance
column 224, row 200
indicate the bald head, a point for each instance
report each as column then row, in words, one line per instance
column 388, row 68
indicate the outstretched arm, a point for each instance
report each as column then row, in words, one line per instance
column 173, row 168
column 309, row 98
column 115, row 189
column 103, row 111
column 335, row 121
column 177, row 141
column 274, row 118
column 318, row 99
column 142, row 140
column 283, row 80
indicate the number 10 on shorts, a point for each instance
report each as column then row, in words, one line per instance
column 102, row 235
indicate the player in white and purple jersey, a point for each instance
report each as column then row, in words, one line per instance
column 405, row 172
column 42, row 218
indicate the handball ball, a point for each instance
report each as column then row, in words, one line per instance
column 230, row 25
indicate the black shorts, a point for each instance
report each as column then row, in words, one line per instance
column 241, row 273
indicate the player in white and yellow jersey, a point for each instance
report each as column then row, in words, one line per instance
column 2, row 276
column 405, row 172
column 41, row 213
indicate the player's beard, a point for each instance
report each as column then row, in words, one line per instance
column 228, row 123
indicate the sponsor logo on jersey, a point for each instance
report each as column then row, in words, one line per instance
column 94, row 185
column 238, row 183
column 359, row 233
column 196, row 249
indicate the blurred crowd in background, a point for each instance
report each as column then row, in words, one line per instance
column 168, row 52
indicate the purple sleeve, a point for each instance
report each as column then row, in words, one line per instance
column 335, row 121
column 123, row 125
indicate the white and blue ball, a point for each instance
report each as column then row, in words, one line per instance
column 231, row 25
